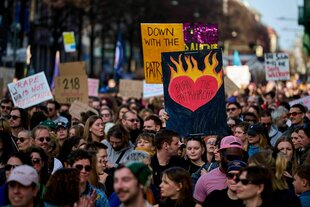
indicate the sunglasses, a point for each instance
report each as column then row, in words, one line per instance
column 86, row 167
column 9, row 167
column 133, row 120
column 41, row 139
column 231, row 109
column 6, row 107
column 36, row 161
column 21, row 139
column 14, row 117
column 233, row 157
column 231, row 176
column 266, row 124
column 293, row 114
column 244, row 181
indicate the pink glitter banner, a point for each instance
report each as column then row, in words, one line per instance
column 197, row 35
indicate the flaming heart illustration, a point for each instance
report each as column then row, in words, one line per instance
column 194, row 88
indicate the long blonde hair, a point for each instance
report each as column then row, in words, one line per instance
column 276, row 162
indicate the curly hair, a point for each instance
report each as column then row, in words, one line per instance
column 66, row 193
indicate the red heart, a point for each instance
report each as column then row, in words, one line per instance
column 192, row 95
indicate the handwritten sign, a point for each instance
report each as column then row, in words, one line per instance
column 30, row 91
column 72, row 83
column 277, row 66
column 199, row 36
column 158, row 38
column 78, row 107
column 93, row 86
column 304, row 101
column 131, row 88
column 7, row 75
column 152, row 90
column 69, row 41
column 194, row 92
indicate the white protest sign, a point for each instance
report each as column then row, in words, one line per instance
column 277, row 66
column 151, row 90
column 240, row 75
column 30, row 91
column 304, row 101
column 69, row 41
column 93, row 85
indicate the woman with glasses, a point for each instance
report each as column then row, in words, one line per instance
column 82, row 161
column 254, row 186
column 227, row 196
column 39, row 161
column 94, row 129
column 14, row 160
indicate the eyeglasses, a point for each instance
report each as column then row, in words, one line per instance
column 80, row 167
column 41, row 139
column 231, row 109
column 105, row 115
column 211, row 143
column 293, row 114
column 14, row 117
column 9, row 167
column 244, row 181
column 21, row 139
column 133, row 120
column 6, row 107
column 231, row 176
column 36, row 161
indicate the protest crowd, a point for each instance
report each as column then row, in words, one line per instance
column 121, row 153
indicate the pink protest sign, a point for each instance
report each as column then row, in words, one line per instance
column 30, row 91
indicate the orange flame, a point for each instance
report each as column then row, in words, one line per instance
column 193, row 71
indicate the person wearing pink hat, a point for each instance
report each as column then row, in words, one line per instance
column 230, row 148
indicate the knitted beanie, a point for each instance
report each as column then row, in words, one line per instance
column 141, row 171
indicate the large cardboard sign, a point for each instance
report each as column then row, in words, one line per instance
column 69, row 41
column 30, row 91
column 277, row 66
column 304, row 101
column 230, row 86
column 93, row 86
column 194, row 92
column 152, row 90
column 240, row 75
column 78, row 107
column 158, row 38
column 6, row 77
column 72, row 83
column 131, row 88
